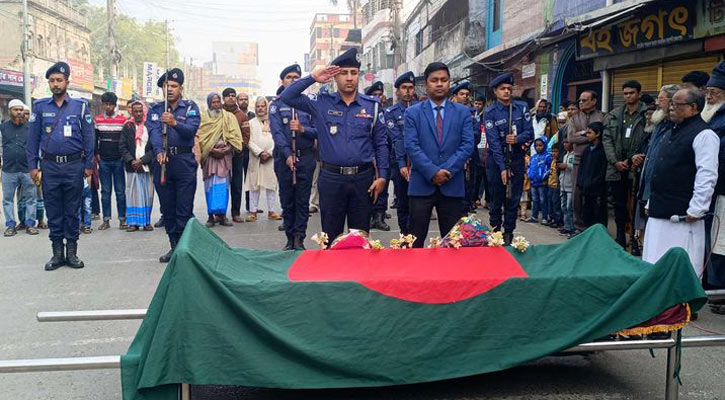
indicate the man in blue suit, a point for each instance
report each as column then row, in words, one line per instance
column 438, row 139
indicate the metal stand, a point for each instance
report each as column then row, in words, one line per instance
column 672, row 390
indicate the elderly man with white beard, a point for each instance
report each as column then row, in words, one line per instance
column 661, row 121
column 714, row 115
column 683, row 181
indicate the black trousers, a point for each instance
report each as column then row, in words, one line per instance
column 621, row 191
column 594, row 209
column 237, row 183
column 245, row 165
column 421, row 207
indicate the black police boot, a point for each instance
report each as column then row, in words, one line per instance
column 166, row 257
column 159, row 223
column 508, row 238
column 58, row 259
column 379, row 223
column 299, row 243
column 496, row 228
column 290, row 244
column 72, row 260
column 621, row 238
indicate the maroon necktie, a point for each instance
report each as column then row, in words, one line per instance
column 439, row 123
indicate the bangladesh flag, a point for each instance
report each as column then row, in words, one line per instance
column 353, row 318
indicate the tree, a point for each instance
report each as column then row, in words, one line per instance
column 137, row 42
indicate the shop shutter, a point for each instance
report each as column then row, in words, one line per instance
column 673, row 71
column 646, row 75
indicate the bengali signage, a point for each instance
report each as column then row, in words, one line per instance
column 664, row 24
column 81, row 76
column 710, row 18
column 528, row 70
column 11, row 78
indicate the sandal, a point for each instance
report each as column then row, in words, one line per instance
column 87, row 230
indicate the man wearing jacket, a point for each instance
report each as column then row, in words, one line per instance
column 439, row 140
column 623, row 133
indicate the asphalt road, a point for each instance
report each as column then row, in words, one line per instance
column 122, row 271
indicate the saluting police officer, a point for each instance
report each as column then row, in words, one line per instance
column 380, row 207
column 182, row 119
column 60, row 144
column 352, row 142
column 395, row 122
column 294, row 194
column 499, row 137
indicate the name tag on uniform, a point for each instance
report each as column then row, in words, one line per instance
column 335, row 113
column 628, row 133
column 67, row 130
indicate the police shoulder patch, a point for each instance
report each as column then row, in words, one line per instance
column 391, row 123
column 154, row 117
column 312, row 96
column 489, row 124
column 32, row 117
column 88, row 118
column 273, row 109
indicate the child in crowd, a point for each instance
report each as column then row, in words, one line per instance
column 524, row 202
column 591, row 178
column 538, row 172
column 555, row 218
column 566, row 187
column 85, row 210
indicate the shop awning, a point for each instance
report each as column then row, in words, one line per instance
column 595, row 19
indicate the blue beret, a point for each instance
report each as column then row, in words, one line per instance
column 58, row 68
column 292, row 68
column 349, row 59
column 175, row 75
column 507, row 77
column 463, row 85
column 717, row 79
column 375, row 86
column 408, row 77
column 280, row 90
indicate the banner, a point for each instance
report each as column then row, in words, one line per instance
column 150, row 77
column 81, row 75
column 669, row 23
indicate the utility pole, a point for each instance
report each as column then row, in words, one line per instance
column 112, row 50
column 25, row 52
column 332, row 41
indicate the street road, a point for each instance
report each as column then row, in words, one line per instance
column 122, row 271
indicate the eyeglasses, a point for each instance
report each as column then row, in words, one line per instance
column 714, row 92
column 675, row 104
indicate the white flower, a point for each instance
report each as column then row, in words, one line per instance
column 520, row 243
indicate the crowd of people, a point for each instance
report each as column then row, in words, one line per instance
column 655, row 160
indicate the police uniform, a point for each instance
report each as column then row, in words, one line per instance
column 470, row 173
column 350, row 138
column 61, row 144
column 395, row 122
column 295, row 198
column 496, row 122
column 381, row 206
column 177, row 194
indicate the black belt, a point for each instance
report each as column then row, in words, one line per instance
column 347, row 170
column 175, row 150
column 62, row 159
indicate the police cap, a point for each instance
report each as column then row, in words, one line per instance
column 717, row 79
column 507, row 77
column 175, row 75
column 292, row 68
column 374, row 87
column 461, row 86
column 349, row 59
column 58, row 68
column 408, row 77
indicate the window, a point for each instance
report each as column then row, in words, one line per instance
column 496, row 15
column 336, row 32
column 419, row 42
column 318, row 32
column 345, row 18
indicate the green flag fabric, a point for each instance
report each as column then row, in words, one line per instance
column 295, row 320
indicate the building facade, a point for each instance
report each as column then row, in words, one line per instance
column 328, row 38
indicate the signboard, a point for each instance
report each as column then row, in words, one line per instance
column 11, row 78
column 81, row 75
column 149, row 79
column 664, row 24
column 528, row 70
column 544, row 88
column 710, row 18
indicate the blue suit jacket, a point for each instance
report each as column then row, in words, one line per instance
column 428, row 155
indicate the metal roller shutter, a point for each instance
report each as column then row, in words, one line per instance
column 673, row 71
column 647, row 76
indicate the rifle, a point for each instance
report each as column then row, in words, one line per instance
column 294, row 150
column 165, row 127
column 509, row 154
